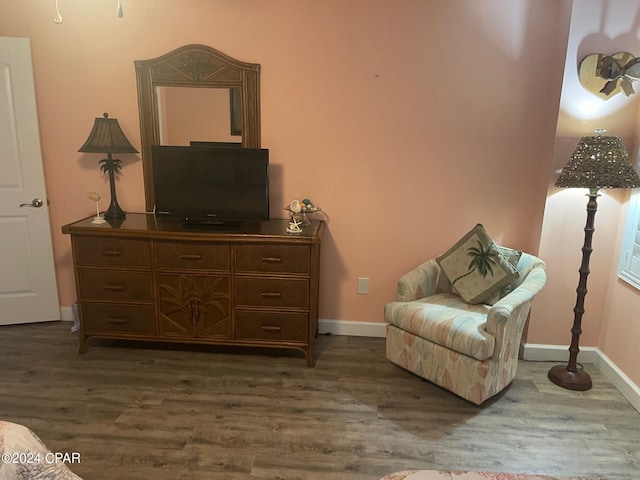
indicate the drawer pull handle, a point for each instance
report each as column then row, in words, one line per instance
column 271, row 295
column 193, row 256
column 112, row 253
column 269, row 328
column 114, row 288
column 117, row 321
column 271, row 260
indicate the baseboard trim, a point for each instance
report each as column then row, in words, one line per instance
column 624, row 384
column 66, row 314
column 535, row 352
column 556, row 353
column 355, row 329
column 334, row 327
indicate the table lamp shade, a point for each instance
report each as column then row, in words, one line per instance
column 107, row 137
column 599, row 162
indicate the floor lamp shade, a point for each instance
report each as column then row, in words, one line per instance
column 107, row 137
column 597, row 162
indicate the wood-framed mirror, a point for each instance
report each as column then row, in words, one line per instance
column 195, row 67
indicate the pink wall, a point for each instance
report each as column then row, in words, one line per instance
column 407, row 121
column 610, row 319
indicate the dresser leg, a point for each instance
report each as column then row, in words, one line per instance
column 310, row 360
column 83, row 344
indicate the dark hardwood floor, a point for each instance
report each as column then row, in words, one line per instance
column 172, row 412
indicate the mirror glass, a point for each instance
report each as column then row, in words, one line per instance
column 188, row 114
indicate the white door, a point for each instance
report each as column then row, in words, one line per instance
column 28, row 291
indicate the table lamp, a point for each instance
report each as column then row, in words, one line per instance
column 107, row 137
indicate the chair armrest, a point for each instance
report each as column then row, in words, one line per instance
column 507, row 317
column 420, row 282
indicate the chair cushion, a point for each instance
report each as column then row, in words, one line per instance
column 447, row 320
column 476, row 267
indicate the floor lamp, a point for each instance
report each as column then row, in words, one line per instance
column 598, row 162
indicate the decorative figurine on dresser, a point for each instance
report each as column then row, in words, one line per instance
column 298, row 211
column 208, row 265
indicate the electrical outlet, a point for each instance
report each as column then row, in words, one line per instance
column 363, row 286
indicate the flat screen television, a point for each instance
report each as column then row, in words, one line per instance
column 211, row 186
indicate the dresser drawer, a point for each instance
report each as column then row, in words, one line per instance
column 109, row 318
column 272, row 258
column 112, row 252
column 192, row 255
column 271, row 326
column 272, row 292
column 115, row 285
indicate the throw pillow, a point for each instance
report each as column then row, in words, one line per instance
column 514, row 257
column 475, row 266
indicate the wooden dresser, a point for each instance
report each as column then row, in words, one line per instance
column 150, row 278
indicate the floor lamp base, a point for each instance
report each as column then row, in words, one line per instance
column 578, row 380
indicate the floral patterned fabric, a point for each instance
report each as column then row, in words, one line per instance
column 445, row 319
column 471, row 350
column 439, row 475
column 26, row 457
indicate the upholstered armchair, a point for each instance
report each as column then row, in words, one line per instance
column 470, row 349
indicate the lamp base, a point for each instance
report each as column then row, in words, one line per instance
column 578, row 380
column 114, row 212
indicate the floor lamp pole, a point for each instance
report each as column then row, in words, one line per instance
column 570, row 377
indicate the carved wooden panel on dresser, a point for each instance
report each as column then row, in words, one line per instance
column 150, row 278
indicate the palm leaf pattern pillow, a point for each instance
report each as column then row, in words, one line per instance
column 476, row 266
